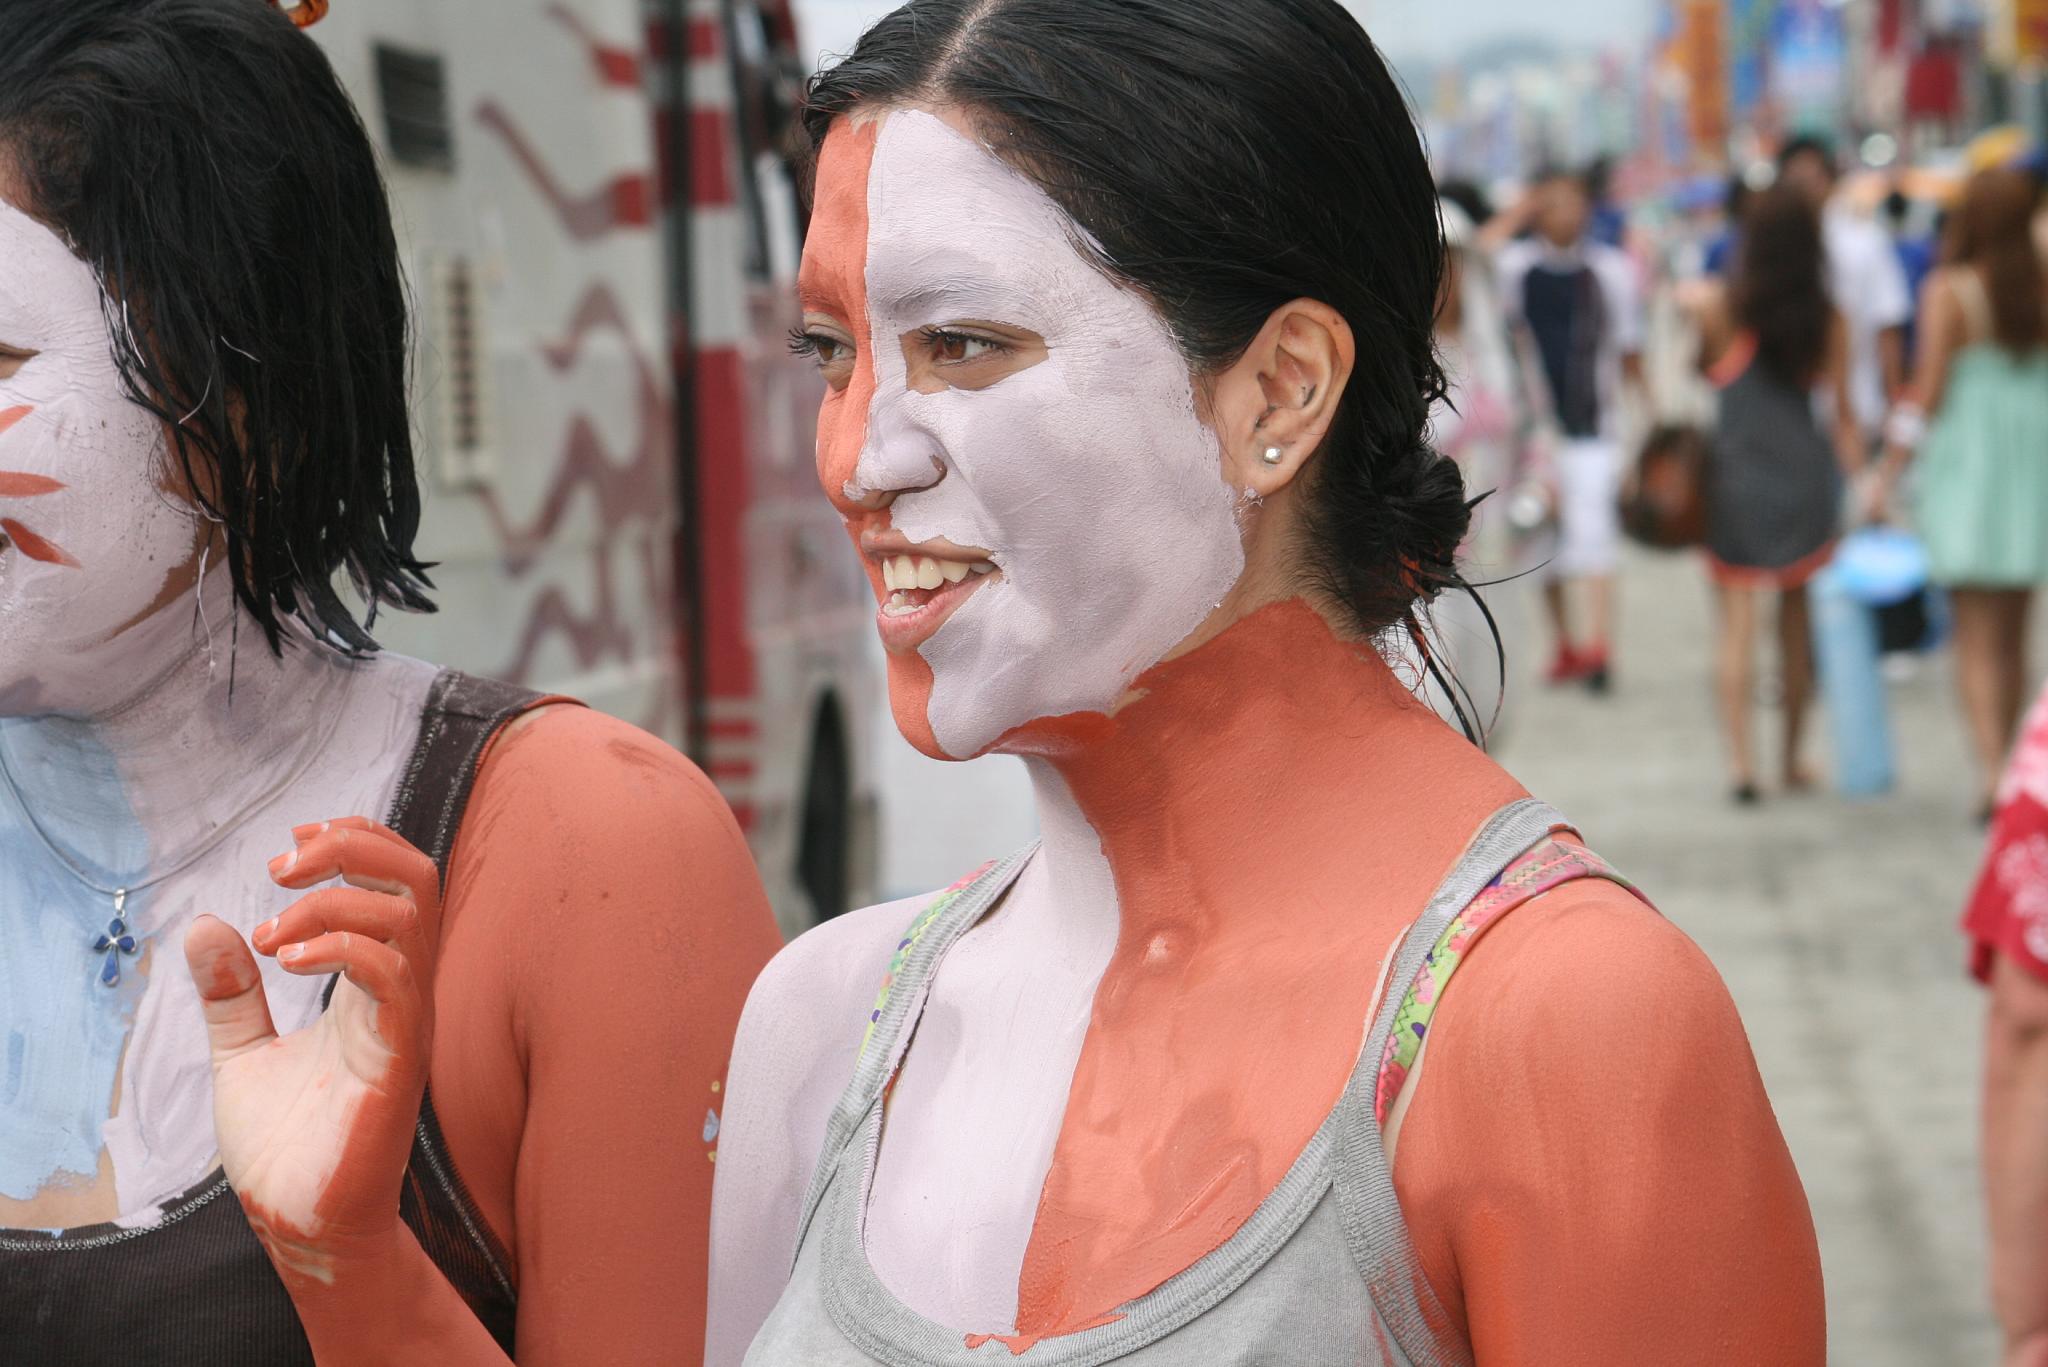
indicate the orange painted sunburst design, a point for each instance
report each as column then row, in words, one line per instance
column 21, row 484
column 36, row 547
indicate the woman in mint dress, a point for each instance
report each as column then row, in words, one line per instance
column 1978, row 413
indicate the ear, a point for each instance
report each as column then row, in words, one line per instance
column 1282, row 395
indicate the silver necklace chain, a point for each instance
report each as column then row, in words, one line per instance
column 206, row 847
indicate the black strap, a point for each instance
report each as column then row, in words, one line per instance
column 462, row 715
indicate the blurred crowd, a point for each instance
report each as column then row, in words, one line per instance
column 1830, row 384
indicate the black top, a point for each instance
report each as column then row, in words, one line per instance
column 196, row 1289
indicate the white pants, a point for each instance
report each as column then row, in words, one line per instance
column 1588, row 519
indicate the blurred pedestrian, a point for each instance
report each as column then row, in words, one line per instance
column 1864, row 279
column 1576, row 302
column 2007, row 922
column 1476, row 424
column 1769, row 340
column 1978, row 416
column 1720, row 251
column 1917, row 253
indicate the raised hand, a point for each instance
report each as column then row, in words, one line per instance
column 314, row 1127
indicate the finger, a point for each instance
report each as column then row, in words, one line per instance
column 381, row 916
column 379, row 970
column 301, row 834
column 365, row 859
column 230, row 989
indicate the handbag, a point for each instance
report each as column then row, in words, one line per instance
column 1664, row 498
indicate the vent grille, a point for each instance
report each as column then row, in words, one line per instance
column 460, row 330
column 413, row 87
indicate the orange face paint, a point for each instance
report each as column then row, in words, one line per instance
column 35, row 547
column 11, row 416
column 1265, row 856
column 833, row 281
column 14, row 484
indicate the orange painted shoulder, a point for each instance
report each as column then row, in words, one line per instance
column 1591, row 1101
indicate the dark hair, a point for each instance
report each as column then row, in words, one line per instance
column 1779, row 290
column 1992, row 229
column 1468, row 196
column 1557, row 173
column 1225, row 157
column 202, row 157
column 1808, row 144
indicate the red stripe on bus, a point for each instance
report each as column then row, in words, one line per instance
column 711, row 181
column 616, row 66
column 704, row 39
column 723, row 489
column 626, row 202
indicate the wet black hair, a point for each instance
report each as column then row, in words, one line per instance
column 1225, row 157
column 203, row 158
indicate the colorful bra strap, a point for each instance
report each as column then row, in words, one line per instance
column 1548, row 865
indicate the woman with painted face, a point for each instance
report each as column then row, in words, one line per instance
column 458, row 1086
column 1124, row 311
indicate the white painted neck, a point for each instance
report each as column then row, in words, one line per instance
column 209, row 727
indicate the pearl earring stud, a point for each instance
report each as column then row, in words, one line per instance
column 1273, row 455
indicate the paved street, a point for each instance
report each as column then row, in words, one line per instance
column 1834, row 927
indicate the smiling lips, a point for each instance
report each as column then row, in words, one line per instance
column 17, row 484
column 924, row 590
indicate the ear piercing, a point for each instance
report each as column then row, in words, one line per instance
column 1273, row 455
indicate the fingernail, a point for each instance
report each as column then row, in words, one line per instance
column 290, row 952
column 309, row 830
column 283, row 863
column 264, row 931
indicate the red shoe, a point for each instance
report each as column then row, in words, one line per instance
column 1567, row 666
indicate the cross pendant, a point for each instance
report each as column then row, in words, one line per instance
column 117, row 941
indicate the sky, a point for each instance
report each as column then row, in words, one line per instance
column 1429, row 30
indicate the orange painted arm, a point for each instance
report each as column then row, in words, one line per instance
column 1590, row 1162
column 638, row 924
column 603, row 927
column 391, row 1307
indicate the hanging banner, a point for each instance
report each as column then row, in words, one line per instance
column 1809, row 56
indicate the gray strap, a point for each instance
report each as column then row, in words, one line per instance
column 1364, row 1183
column 906, row 1000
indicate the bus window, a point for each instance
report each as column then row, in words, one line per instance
column 765, row 92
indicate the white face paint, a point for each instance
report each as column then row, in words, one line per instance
column 102, row 546
column 1089, row 476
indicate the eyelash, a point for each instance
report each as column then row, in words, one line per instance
column 937, row 336
column 812, row 344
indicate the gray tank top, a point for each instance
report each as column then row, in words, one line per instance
column 1323, row 1274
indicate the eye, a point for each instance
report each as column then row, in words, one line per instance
column 13, row 359
column 958, row 348
column 833, row 354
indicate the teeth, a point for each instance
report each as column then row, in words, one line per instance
column 898, row 606
column 901, row 572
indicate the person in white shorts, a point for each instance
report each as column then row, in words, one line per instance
column 1576, row 308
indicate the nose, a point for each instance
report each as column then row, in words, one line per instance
column 900, row 456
